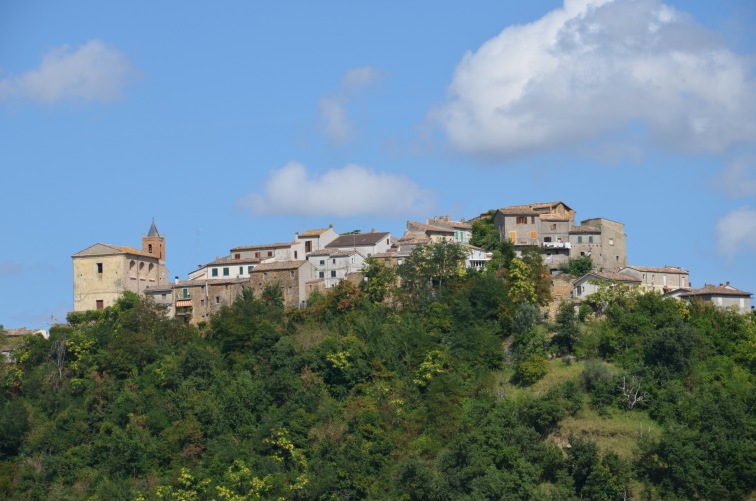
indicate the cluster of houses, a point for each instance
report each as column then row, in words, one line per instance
column 318, row 259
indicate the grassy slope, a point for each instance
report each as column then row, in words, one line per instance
column 619, row 431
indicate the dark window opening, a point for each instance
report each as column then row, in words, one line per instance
column 99, row 267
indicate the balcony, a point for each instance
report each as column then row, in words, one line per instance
column 557, row 245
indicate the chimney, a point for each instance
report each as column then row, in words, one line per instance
column 330, row 225
column 372, row 230
column 176, row 280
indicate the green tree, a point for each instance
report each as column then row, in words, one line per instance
column 577, row 266
column 484, row 233
column 379, row 281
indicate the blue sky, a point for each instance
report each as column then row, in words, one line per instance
column 240, row 123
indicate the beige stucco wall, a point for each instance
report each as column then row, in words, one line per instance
column 91, row 286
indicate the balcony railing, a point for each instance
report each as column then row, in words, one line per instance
column 557, row 245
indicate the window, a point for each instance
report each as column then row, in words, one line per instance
column 580, row 239
column 241, row 270
column 512, row 236
column 270, row 253
column 322, row 262
column 522, row 219
column 214, row 272
column 250, row 268
column 590, row 239
column 308, row 246
column 532, row 219
column 533, row 234
column 202, row 302
column 237, row 256
column 333, row 273
column 265, row 275
column 217, row 299
column 185, row 293
column 553, row 226
column 225, row 272
column 99, row 267
column 149, row 248
column 289, row 290
column 321, row 274
column 257, row 254
column 295, row 254
column 547, row 239
column 291, row 274
column 611, row 241
column 333, row 261
column 99, row 304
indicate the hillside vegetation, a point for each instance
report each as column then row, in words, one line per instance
column 452, row 386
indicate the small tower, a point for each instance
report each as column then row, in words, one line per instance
column 154, row 243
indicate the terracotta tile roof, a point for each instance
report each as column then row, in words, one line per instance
column 278, row 265
column 476, row 248
column 555, row 217
column 459, row 225
column 334, row 253
column 716, row 290
column 195, row 283
column 584, row 229
column 518, row 210
column 385, row 255
column 313, row 233
column 613, row 276
column 666, row 269
column 100, row 249
column 132, row 250
column 358, row 239
column 428, row 227
column 414, row 238
column 232, row 260
column 281, row 245
column 538, row 205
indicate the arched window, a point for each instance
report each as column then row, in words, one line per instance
column 149, row 248
column 141, row 271
column 151, row 272
column 132, row 270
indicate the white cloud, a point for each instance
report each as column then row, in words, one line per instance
column 739, row 179
column 349, row 191
column 334, row 121
column 596, row 67
column 92, row 72
column 736, row 231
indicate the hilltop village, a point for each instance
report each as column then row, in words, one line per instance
column 318, row 259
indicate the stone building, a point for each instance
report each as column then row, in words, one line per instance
column 335, row 265
column 590, row 282
column 723, row 296
column 462, row 229
column 663, row 280
column 195, row 301
column 603, row 240
column 103, row 272
column 291, row 276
